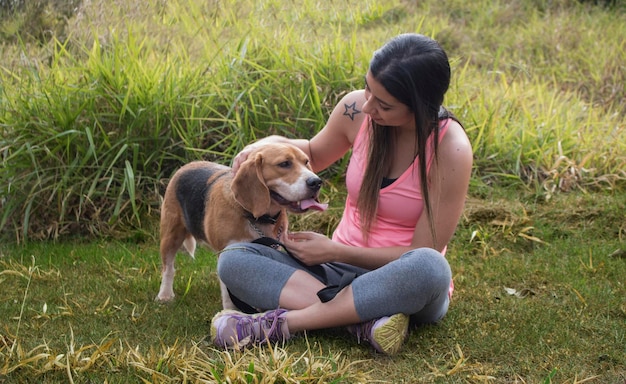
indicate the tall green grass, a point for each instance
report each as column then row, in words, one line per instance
column 545, row 91
column 93, row 134
column 94, row 122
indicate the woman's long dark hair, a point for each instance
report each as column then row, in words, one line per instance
column 415, row 70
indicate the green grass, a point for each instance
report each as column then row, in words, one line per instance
column 93, row 303
column 101, row 101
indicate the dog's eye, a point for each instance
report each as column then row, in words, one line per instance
column 285, row 164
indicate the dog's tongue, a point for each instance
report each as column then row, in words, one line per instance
column 312, row 204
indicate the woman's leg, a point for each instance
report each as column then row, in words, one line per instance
column 266, row 278
column 334, row 313
column 416, row 284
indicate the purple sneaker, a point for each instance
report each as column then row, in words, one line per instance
column 234, row 329
column 385, row 334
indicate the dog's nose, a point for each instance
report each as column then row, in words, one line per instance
column 314, row 183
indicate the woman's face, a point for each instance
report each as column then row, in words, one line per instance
column 383, row 108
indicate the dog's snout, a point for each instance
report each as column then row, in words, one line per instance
column 314, row 183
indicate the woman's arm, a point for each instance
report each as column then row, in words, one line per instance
column 330, row 143
column 448, row 188
column 449, row 179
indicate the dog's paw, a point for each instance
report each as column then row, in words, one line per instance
column 164, row 298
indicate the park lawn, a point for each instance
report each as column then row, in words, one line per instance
column 539, row 297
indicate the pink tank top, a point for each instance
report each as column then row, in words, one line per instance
column 400, row 204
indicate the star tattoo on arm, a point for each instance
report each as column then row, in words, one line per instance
column 351, row 110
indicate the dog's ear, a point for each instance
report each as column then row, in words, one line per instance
column 249, row 187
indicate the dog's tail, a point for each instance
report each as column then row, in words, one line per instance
column 190, row 245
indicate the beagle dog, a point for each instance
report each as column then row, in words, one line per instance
column 205, row 202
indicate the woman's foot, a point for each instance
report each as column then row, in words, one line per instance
column 234, row 329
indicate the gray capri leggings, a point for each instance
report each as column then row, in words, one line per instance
column 416, row 284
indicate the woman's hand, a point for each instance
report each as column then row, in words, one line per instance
column 243, row 155
column 313, row 248
column 310, row 247
column 245, row 152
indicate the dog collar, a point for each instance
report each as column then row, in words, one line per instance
column 265, row 219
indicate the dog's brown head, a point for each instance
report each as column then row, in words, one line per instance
column 277, row 176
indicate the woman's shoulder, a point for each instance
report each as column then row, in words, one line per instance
column 351, row 105
column 348, row 114
column 357, row 96
column 455, row 144
column 455, row 131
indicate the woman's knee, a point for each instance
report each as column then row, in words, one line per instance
column 233, row 258
column 430, row 263
column 241, row 262
column 428, row 255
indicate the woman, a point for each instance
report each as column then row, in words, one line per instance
column 407, row 180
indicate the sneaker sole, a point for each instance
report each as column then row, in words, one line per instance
column 390, row 336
